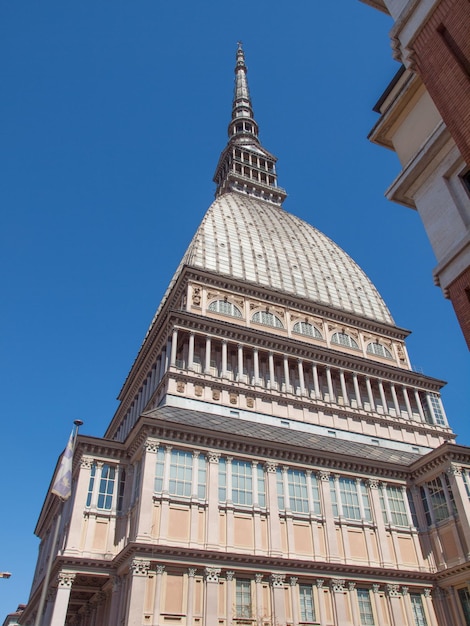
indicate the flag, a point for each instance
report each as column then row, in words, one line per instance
column 62, row 486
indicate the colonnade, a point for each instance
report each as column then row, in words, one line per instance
column 282, row 373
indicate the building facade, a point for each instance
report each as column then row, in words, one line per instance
column 274, row 459
column 425, row 118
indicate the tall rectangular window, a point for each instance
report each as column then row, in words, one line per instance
column 396, row 504
column 438, row 499
column 464, row 597
column 106, row 487
column 349, row 498
column 91, row 485
column 418, row 609
column 242, row 482
column 280, row 490
column 222, row 480
column 307, row 609
column 122, row 486
column 201, row 477
column 159, row 467
column 466, row 480
column 437, row 409
column 298, row 498
column 365, row 607
column 181, row 467
column 243, row 599
column 261, row 485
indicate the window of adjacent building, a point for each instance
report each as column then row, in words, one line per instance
column 267, row 318
column 379, row 350
column 307, row 608
column 227, row 308
column 342, row 339
column 243, row 599
column 180, row 473
column 464, row 597
column 418, row 609
column 304, row 328
column 365, row 607
column 298, row 487
column 396, row 506
column 348, row 497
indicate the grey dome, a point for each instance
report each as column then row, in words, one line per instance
column 244, row 238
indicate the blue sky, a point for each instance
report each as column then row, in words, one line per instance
column 112, row 119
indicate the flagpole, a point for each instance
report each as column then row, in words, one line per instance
column 47, row 575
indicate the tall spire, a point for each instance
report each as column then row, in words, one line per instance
column 245, row 166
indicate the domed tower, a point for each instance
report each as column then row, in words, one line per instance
column 274, row 459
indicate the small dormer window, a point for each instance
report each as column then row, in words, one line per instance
column 267, row 318
column 379, row 350
column 342, row 339
column 224, row 307
column 305, row 328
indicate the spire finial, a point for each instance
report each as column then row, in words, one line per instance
column 245, row 165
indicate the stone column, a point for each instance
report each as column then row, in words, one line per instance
column 286, row 374
column 331, row 540
column 113, row 619
column 462, row 502
column 370, row 394
column 139, row 570
column 207, row 366
column 212, row 536
column 357, row 391
column 408, row 608
column 382, row 538
column 343, row 387
column 354, row 605
column 321, row 602
column 316, row 382
column 174, row 347
column 145, row 517
column 272, row 382
column 275, row 545
column 339, row 601
column 279, row 607
column 212, row 590
column 64, row 587
column 190, row 601
column 378, row 605
column 190, row 365
column 407, row 402
column 329, row 380
column 301, row 377
column 224, row 358
column 419, row 404
column 393, row 592
column 382, row 396
column 294, row 600
column 158, row 595
column 240, row 362
column 230, row 605
column 259, row 598
column 395, row 399
column 256, row 366
column 79, row 502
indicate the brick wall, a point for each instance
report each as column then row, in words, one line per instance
column 459, row 294
column 442, row 54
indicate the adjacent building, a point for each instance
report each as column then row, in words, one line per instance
column 274, row 459
column 425, row 118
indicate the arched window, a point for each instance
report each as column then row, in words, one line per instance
column 304, row 328
column 268, row 319
column 227, row 308
column 379, row 350
column 342, row 339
